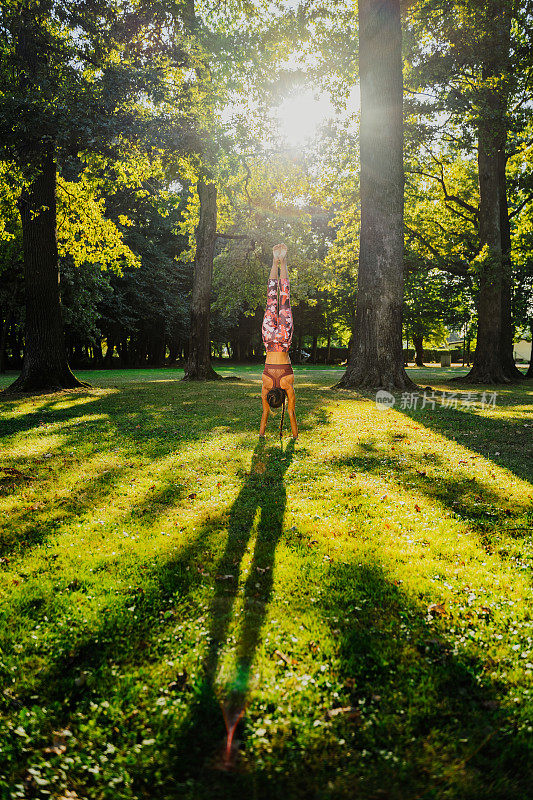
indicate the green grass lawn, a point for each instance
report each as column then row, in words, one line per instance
column 364, row 594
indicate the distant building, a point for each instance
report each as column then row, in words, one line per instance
column 522, row 350
column 454, row 340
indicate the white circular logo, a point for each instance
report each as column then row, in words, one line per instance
column 384, row 400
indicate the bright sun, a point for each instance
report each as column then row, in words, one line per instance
column 300, row 116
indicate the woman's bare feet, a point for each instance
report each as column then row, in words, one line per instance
column 280, row 252
column 280, row 260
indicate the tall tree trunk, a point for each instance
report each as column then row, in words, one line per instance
column 198, row 367
column 487, row 366
column 314, row 349
column 418, row 342
column 507, row 330
column 98, row 355
column 45, row 364
column 109, row 352
column 376, row 359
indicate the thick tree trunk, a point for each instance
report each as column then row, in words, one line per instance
column 376, row 359
column 418, row 342
column 45, row 365
column 507, row 330
column 198, row 367
column 488, row 359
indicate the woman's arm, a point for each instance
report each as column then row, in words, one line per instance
column 291, row 408
column 266, row 412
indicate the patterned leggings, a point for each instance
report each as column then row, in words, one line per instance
column 277, row 328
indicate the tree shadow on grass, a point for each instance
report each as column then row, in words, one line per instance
column 432, row 721
column 477, row 503
column 503, row 440
column 407, row 711
column 118, row 637
column 413, row 716
column 129, row 426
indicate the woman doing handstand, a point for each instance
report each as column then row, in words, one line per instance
column 278, row 375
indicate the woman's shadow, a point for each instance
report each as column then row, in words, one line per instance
column 263, row 491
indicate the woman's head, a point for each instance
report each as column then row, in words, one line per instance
column 275, row 397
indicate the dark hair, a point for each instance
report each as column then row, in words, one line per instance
column 275, row 398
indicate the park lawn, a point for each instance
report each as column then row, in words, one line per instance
column 368, row 591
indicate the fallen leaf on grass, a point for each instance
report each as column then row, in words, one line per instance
column 348, row 711
column 437, row 609
column 192, row 496
column 417, row 507
column 286, row 659
column 59, row 742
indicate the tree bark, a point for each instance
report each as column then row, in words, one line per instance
column 45, row 365
column 507, row 330
column 198, row 367
column 376, row 359
column 418, row 342
column 314, row 349
column 487, row 366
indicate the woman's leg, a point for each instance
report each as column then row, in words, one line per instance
column 285, row 313
column 270, row 317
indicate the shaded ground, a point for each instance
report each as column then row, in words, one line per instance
column 364, row 595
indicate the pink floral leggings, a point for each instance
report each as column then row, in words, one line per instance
column 277, row 328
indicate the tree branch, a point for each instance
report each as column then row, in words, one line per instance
column 454, row 269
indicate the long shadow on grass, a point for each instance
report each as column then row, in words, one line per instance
column 263, row 492
column 475, row 502
column 429, row 718
column 407, row 708
column 405, row 712
column 132, row 425
column 503, row 440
